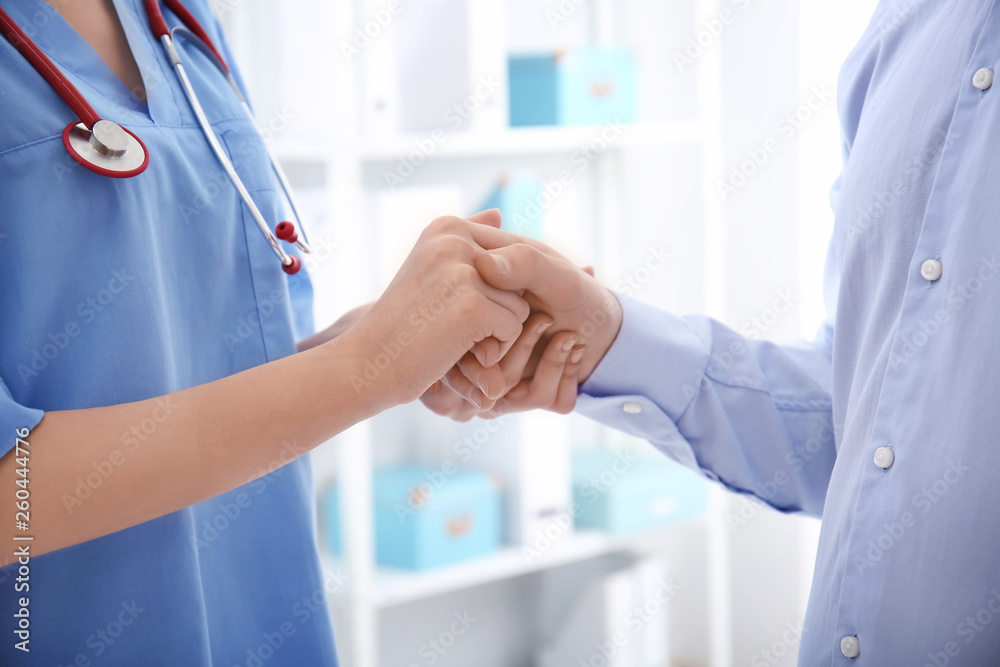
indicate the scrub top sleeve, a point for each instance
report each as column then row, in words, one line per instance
column 13, row 417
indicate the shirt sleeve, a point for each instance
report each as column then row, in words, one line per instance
column 14, row 416
column 750, row 414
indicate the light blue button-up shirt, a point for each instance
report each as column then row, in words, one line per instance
column 909, row 553
column 117, row 290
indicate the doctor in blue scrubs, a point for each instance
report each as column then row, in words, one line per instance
column 160, row 379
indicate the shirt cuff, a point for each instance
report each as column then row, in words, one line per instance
column 14, row 416
column 656, row 355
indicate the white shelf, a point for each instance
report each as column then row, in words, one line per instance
column 524, row 141
column 393, row 586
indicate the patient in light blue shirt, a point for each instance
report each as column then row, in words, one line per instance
column 888, row 424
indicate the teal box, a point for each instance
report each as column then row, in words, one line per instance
column 587, row 86
column 426, row 517
column 519, row 198
column 621, row 493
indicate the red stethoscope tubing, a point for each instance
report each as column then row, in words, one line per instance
column 159, row 25
column 64, row 87
column 34, row 55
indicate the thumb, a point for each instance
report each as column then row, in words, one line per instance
column 491, row 217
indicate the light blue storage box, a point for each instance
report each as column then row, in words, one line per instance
column 518, row 197
column 426, row 518
column 617, row 494
column 587, row 86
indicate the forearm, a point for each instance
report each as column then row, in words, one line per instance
column 207, row 440
column 345, row 322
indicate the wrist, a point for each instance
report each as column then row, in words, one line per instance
column 599, row 332
column 368, row 372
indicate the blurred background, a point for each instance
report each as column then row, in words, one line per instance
column 685, row 149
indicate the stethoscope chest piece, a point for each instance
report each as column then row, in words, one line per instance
column 107, row 149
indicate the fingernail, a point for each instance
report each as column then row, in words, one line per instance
column 542, row 327
column 477, row 400
column 577, row 354
column 483, row 383
column 568, row 345
column 503, row 266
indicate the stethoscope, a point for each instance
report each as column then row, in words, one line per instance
column 109, row 149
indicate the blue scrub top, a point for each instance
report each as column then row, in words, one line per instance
column 117, row 290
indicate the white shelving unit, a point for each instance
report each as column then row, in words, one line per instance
column 348, row 124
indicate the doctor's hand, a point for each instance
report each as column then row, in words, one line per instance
column 435, row 311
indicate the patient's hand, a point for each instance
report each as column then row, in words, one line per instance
column 538, row 372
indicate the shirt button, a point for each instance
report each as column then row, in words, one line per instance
column 850, row 647
column 931, row 269
column 632, row 407
column 883, row 457
column 983, row 78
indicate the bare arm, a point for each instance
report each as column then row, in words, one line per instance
column 219, row 435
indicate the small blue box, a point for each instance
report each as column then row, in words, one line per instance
column 519, row 199
column 587, row 86
column 427, row 517
column 621, row 493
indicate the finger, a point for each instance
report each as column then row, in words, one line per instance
column 512, row 366
column 522, row 266
column 491, row 381
column 487, row 352
column 569, row 384
column 545, row 383
column 589, row 270
column 517, row 357
column 491, row 218
column 496, row 321
column 541, row 390
column 462, row 386
column 442, row 400
column 511, row 300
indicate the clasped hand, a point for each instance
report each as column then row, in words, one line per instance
column 479, row 321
